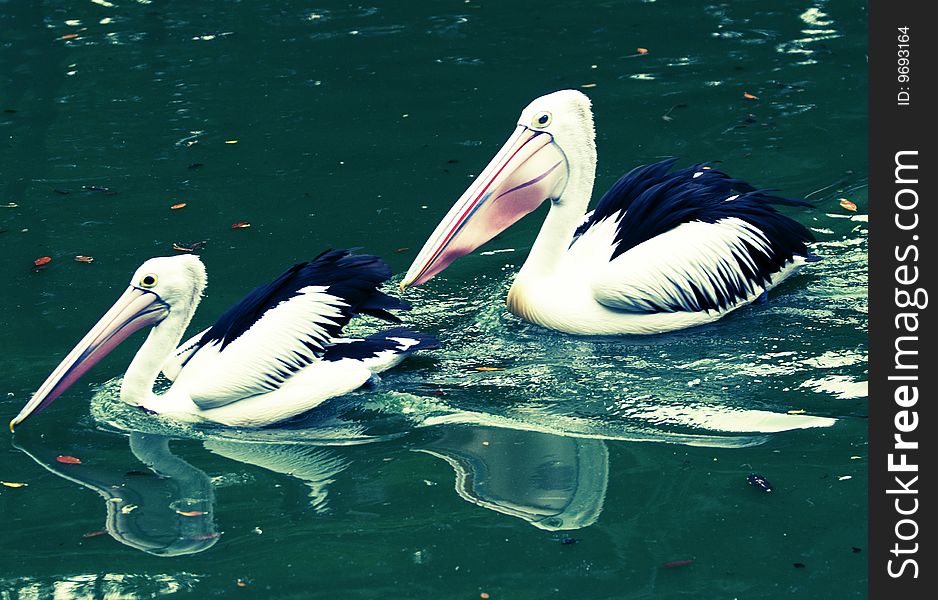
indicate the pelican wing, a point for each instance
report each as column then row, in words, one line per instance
column 283, row 327
column 689, row 240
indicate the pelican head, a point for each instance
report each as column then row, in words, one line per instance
column 160, row 288
column 554, row 137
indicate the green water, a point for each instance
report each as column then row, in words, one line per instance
column 585, row 468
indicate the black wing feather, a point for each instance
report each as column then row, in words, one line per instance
column 651, row 200
column 353, row 278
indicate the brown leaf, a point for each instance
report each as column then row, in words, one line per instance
column 177, row 206
column 69, row 36
column 848, row 205
column 68, row 460
column 677, row 563
column 13, row 484
column 749, row 96
column 240, row 225
column 96, row 533
column 83, row 259
column 642, row 50
column 190, row 513
column 42, row 261
column 188, row 247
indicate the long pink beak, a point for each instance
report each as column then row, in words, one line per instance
column 135, row 309
column 528, row 170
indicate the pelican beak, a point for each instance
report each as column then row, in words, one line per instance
column 529, row 169
column 135, row 309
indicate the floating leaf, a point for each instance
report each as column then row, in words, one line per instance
column 69, row 36
column 488, row 369
column 677, row 563
column 190, row 513
column 188, row 247
column 177, row 206
column 642, row 50
column 759, row 482
column 68, row 460
column 84, row 259
column 96, row 533
column 42, row 261
column 13, row 484
column 749, row 96
column 241, row 225
column 848, row 205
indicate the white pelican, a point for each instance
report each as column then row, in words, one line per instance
column 662, row 250
column 272, row 356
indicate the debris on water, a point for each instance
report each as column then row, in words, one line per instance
column 569, row 541
column 844, row 477
column 848, row 205
column 196, row 165
column 588, row 85
column 488, row 369
column 96, row 533
column 240, row 225
column 13, row 484
column 759, row 482
column 177, row 206
column 188, row 247
column 241, row 582
column 257, row 530
column 797, row 411
column 401, row 250
column 190, row 513
column 11, row 205
column 42, row 261
column 693, row 382
column 68, row 460
column 799, row 565
column 749, row 96
column 83, row 259
column 231, row 141
column 677, row 563
column 126, row 510
column 484, row 596
column 62, row 191
column 856, row 550
column 69, row 36
column 98, row 188
column 642, row 50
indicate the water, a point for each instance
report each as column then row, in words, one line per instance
column 583, row 467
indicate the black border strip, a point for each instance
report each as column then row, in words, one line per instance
column 903, row 227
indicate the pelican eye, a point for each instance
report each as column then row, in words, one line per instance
column 148, row 281
column 541, row 120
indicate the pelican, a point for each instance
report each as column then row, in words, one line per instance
column 663, row 250
column 272, row 356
